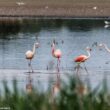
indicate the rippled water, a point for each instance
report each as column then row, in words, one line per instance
column 72, row 37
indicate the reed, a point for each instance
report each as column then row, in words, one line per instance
column 74, row 95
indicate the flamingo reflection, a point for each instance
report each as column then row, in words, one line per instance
column 56, row 88
column 29, row 86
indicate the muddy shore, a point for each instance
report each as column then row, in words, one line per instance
column 74, row 9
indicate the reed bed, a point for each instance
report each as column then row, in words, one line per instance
column 74, row 95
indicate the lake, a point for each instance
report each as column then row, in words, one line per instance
column 72, row 36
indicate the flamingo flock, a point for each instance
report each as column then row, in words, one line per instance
column 57, row 54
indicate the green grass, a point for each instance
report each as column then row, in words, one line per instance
column 72, row 96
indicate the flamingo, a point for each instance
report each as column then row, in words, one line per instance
column 56, row 53
column 82, row 58
column 105, row 46
column 30, row 55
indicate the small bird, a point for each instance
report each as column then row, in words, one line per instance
column 95, row 7
column 107, row 22
column 20, row 3
column 30, row 55
column 82, row 58
column 56, row 53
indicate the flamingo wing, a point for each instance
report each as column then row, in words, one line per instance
column 80, row 58
column 57, row 53
column 29, row 54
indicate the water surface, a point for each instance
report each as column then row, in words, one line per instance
column 71, row 36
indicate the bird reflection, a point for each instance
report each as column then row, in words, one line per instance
column 29, row 86
column 56, row 88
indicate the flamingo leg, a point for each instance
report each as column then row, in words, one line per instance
column 31, row 67
column 57, row 69
column 58, row 66
column 58, row 77
column 78, row 66
column 85, row 68
column 77, row 70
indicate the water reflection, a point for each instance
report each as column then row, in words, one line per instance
column 56, row 88
column 29, row 85
column 15, row 26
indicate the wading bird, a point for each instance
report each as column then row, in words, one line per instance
column 30, row 55
column 82, row 58
column 104, row 46
column 56, row 53
column 20, row 3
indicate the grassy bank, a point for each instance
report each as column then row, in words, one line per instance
column 74, row 95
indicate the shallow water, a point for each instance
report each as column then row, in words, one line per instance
column 71, row 36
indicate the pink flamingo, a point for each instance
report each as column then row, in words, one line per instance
column 82, row 58
column 56, row 53
column 30, row 55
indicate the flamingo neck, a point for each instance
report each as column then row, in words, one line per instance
column 34, row 49
column 53, row 49
column 106, row 47
column 88, row 52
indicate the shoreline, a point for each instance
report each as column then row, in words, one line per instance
column 56, row 10
column 55, row 17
